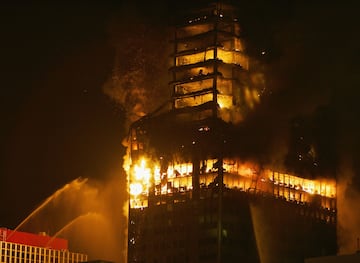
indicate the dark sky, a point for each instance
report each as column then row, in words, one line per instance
column 58, row 125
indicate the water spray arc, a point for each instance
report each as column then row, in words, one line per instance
column 71, row 223
column 75, row 184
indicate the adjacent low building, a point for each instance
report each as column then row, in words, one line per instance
column 16, row 247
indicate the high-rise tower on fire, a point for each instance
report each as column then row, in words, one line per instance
column 193, row 198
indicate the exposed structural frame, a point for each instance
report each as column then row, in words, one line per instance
column 192, row 196
column 210, row 65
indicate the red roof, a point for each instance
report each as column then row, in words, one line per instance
column 36, row 240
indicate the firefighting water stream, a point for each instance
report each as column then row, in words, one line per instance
column 68, row 226
column 74, row 185
column 82, row 212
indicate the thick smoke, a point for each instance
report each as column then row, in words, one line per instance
column 314, row 71
column 139, row 83
column 310, row 65
column 348, row 170
column 295, row 48
column 348, row 208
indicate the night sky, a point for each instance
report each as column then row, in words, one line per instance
column 58, row 125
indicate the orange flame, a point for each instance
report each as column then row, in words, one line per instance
column 237, row 175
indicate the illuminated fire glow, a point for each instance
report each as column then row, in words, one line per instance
column 194, row 85
column 204, row 73
column 237, row 175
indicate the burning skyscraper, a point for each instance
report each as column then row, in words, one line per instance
column 193, row 197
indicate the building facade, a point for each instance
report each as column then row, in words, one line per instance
column 193, row 197
column 22, row 247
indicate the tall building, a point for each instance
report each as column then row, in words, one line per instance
column 23, row 247
column 193, row 197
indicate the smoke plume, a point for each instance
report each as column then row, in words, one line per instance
column 139, row 82
column 348, row 204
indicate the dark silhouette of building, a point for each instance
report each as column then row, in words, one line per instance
column 192, row 197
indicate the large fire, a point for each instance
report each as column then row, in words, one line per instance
column 145, row 176
column 207, row 71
